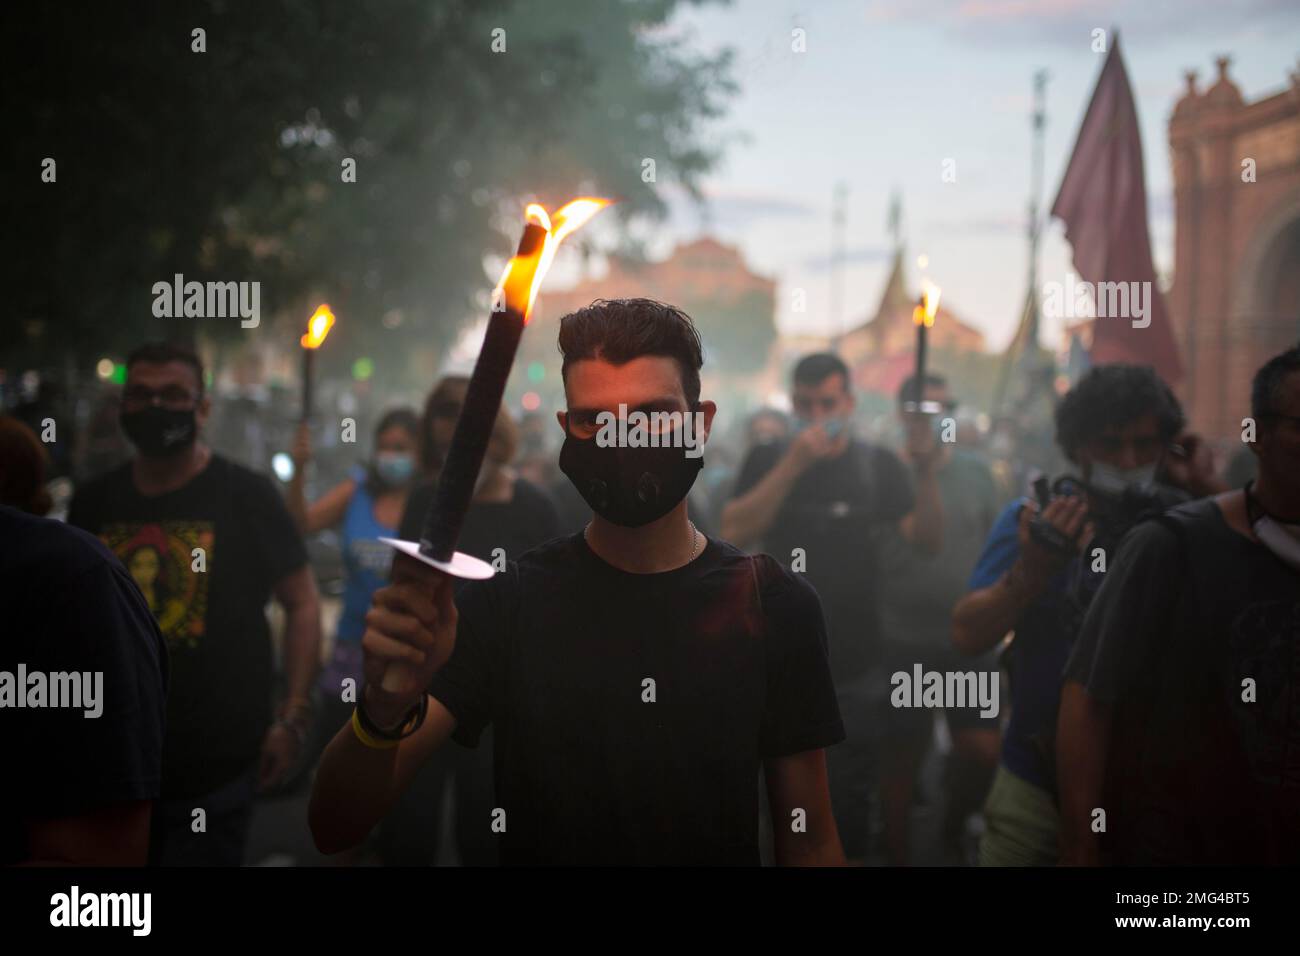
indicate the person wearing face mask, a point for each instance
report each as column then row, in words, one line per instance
column 508, row 512
column 917, row 597
column 364, row 508
column 1120, row 426
column 221, row 539
column 508, row 515
column 637, row 674
column 1179, row 712
column 823, row 503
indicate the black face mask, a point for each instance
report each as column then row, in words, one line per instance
column 629, row 486
column 160, row 432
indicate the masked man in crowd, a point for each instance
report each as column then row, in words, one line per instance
column 1179, row 730
column 825, row 502
column 1041, row 565
column 637, row 674
column 208, row 542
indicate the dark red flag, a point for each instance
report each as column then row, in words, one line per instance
column 1103, row 203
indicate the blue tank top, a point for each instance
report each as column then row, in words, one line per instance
column 366, row 560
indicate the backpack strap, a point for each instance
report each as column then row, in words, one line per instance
column 1187, row 524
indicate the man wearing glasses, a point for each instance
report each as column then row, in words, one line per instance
column 820, row 504
column 208, row 542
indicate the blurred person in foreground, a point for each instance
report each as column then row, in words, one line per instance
column 919, row 591
column 208, row 542
column 508, row 515
column 823, row 501
column 81, row 773
column 1041, row 566
column 637, row 673
column 1180, row 717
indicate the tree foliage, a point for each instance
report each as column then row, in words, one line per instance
column 226, row 164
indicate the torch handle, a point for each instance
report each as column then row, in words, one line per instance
column 922, row 350
column 478, row 415
column 469, row 444
column 451, row 500
column 308, row 378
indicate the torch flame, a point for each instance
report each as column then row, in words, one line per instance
column 928, row 307
column 523, row 275
column 318, row 326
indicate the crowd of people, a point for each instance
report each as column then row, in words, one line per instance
column 665, row 670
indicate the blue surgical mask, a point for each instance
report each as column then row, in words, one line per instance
column 834, row 426
column 394, row 468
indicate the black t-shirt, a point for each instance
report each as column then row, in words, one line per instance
column 836, row 512
column 562, row 654
column 514, row 526
column 70, row 607
column 214, row 620
column 1188, row 611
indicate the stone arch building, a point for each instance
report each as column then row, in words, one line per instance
column 1235, row 300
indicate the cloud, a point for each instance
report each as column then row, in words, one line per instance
column 743, row 209
column 1001, row 10
column 735, row 211
column 998, row 12
column 987, row 225
column 1067, row 21
column 1160, row 207
column 857, row 256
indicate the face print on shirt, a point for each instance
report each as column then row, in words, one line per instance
column 160, row 557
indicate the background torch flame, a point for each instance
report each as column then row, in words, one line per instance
column 318, row 326
column 928, row 307
column 523, row 275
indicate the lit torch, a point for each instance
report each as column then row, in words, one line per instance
column 318, row 326
column 512, row 302
column 923, row 316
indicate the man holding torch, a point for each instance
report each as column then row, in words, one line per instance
column 637, row 674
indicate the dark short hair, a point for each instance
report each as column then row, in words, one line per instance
column 908, row 392
column 1266, row 388
column 403, row 417
column 1111, row 396
column 160, row 353
column 504, row 432
column 620, row 330
column 818, row 367
column 768, row 412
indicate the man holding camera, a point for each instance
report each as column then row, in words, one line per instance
column 1178, row 717
column 1042, row 562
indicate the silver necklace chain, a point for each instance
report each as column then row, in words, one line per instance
column 695, row 538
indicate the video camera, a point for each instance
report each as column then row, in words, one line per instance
column 1112, row 512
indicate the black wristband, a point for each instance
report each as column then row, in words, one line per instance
column 410, row 723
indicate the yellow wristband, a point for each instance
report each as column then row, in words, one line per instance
column 369, row 741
